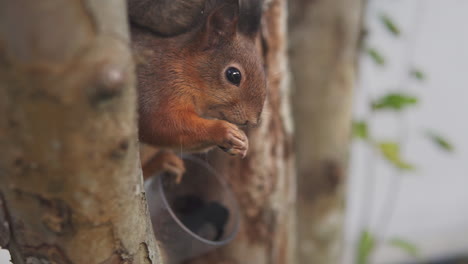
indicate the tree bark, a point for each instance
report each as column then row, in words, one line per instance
column 323, row 50
column 264, row 182
column 70, row 183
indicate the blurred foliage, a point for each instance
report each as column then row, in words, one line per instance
column 439, row 141
column 360, row 130
column 365, row 247
column 418, row 74
column 406, row 246
column 376, row 56
column 394, row 101
column 391, row 152
column 390, row 25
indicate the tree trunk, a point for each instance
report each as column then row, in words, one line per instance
column 264, row 182
column 323, row 50
column 70, row 183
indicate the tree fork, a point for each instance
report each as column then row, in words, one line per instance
column 70, row 182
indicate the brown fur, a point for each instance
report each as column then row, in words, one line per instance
column 185, row 100
column 166, row 17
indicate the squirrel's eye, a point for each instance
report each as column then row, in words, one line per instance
column 233, row 75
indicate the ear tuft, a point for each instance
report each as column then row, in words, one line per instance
column 250, row 15
column 222, row 19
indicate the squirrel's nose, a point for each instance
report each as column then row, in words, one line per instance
column 251, row 123
column 256, row 122
column 246, row 123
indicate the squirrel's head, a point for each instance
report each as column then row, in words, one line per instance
column 230, row 66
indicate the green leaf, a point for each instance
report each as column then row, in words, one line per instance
column 406, row 246
column 391, row 152
column 365, row 247
column 440, row 141
column 394, row 101
column 376, row 56
column 360, row 130
column 390, row 25
column 417, row 74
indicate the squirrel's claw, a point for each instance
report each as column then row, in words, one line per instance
column 234, row 140
column 235, row 152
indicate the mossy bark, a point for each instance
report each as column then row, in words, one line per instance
column 70, row 182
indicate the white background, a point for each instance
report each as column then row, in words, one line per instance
column 431, row 204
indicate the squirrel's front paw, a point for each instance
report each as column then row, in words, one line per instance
column 231, row 139
column 165, row 161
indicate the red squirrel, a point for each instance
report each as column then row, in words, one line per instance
column 203, row 76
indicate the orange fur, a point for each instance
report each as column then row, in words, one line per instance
column 185, row 100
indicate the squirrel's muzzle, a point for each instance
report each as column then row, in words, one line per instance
column 252, row 122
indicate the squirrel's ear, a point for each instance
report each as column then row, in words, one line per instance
column 250, row 13
column 221, row 21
